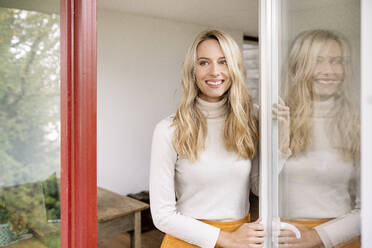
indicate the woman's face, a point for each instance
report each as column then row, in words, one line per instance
column 211, row 71
column 329, row 71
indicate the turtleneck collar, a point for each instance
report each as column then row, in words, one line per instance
column 211, row 110
column 323, row 108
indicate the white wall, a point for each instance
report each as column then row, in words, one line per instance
column 139, row 68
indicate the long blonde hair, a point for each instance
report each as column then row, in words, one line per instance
column 241, row 129
column 343, row 129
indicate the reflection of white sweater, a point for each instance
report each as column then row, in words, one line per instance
column 319, row 184
column 216, row 187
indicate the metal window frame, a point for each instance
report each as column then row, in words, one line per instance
column 366, row 122
column 268, row 10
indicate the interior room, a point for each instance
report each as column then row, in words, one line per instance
column 141, row 45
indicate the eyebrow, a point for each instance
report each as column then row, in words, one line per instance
column 209, row 58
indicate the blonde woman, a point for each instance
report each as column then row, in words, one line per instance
column 201, row 160
column 319, row 130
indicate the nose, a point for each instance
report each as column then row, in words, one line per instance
column 215, row 69
column 326, row 67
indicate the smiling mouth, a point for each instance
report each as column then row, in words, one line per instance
column 328, row 81
column 214, row 82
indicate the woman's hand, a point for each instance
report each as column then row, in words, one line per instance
column 282, row 114
column 309, row 238
column 249, row 235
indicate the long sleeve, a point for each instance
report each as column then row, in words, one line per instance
column 282, row 158
column 254, row 177
column 345, row 227
column 162, row 194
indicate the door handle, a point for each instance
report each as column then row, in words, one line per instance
column 277, row 225
column 287, row 226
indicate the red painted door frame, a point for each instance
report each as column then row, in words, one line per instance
column 78, row 124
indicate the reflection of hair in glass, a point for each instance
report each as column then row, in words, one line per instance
column 344, row 126
column 240, row 130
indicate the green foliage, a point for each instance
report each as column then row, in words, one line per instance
column 27, row 206
column 4, row 212
column 52, row 199
column 26, row 201
column 19, row 221
column 29, row 120
column 29, row 95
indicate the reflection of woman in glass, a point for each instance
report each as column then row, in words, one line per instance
column 201, row 171
column 319, row 131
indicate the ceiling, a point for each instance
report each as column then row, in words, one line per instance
column 239, row 15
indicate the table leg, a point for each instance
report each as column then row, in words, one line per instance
column 135, row 237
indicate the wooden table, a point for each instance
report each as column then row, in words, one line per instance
column 119, row 214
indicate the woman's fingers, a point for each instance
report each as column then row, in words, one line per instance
column 260, row 233
column 258, row 221
column 282, row 107
column 280, row 110
column 250, row 234
column 281, row 113
column 255, row 246
column 256, row 227
column 255, row 240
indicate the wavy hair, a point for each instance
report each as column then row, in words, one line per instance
column 343, row 128
column 240, row 133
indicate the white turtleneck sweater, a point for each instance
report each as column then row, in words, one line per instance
column 318, row 184
column 215, row 187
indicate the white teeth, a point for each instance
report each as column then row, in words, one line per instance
column 215, row 83
column 328, row 81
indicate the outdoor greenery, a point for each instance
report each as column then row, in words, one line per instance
column 29, row 121
column 29, row 96
column 4, row 212
column 27, row 209
column 52, row 198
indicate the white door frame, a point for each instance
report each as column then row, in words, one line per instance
column 366, row 114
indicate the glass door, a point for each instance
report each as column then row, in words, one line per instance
column 30, row 168
column 311, row 140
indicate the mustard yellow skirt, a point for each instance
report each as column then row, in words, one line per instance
column 228, row 226
column 354, row 243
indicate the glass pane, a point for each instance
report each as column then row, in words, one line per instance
column 29, row 126
column 319, row 123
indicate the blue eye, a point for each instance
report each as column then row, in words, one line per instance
column 203, row 63
column 223, row 62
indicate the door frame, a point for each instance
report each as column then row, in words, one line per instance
column 366, row 122
column 78, row 123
